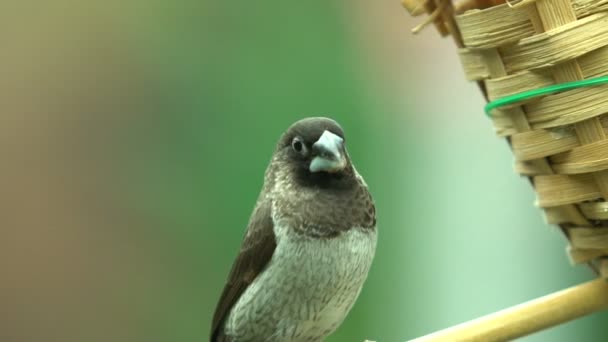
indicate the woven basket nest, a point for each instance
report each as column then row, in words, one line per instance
column 559, row 141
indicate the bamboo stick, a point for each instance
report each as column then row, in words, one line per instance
column 529, row 317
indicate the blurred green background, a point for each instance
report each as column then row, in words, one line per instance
column 134, row 136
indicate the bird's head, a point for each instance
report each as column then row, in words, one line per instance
column 314, row 150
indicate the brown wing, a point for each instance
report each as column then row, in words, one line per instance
column 257, row 248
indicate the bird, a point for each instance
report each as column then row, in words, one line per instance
column 309, row 243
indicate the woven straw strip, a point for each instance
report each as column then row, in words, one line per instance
column 592, row 64
column 603, row 268
column 494, row 26
column 503, row 25
column 585, row 7
column 503, row 125
column 473, row 64
column 595, row 210
column 531, row 168
column 542, row 143
column 604, row 122
column 589, row 238
column 584, row 159
column 563, row 214
column 581, row 255
column 517, row 83
column 568, row 107
column 555, row 190
column 561, row 44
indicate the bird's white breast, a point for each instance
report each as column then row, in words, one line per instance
column 307, row 288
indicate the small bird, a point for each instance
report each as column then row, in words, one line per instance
column 308, row 247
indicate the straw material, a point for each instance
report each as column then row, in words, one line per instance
column 559, row 141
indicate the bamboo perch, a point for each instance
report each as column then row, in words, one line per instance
column 530, row 317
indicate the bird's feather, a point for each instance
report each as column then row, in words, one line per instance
column 256, row 250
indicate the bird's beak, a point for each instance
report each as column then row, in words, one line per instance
column 328, row 154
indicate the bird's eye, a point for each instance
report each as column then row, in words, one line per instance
column 298, row 146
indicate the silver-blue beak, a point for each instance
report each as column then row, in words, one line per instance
column 328, row 152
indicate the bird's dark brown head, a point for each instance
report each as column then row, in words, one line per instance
column 313, row 149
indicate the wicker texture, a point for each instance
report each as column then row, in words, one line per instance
column 559, row 141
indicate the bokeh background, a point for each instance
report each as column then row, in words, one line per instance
column 133, row 140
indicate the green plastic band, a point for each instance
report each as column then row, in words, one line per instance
column 507, row 100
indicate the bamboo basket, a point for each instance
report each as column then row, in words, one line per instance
column 559, row 141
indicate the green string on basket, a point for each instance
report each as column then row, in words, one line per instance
column 507, row 100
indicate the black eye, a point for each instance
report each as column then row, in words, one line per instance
column 297, row 145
